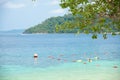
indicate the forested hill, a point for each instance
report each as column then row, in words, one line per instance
column 48, row 26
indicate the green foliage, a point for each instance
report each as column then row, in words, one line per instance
column 97, row 16
column 72, row 24
column 51, row 25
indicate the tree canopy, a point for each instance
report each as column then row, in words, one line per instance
column 97, row 16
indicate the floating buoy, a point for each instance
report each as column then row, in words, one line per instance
column 98, row 65
column 115, row 67
column 61, row 55
column 50, row 57
column 74, row 61
column 35, row 55
column 58, row 59
column 65, row 60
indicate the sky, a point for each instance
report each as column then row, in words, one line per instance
column 22, row 14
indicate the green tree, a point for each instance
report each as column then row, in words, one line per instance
column 93, row 16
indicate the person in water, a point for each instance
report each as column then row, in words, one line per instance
column 89, row 60
column 96, row 58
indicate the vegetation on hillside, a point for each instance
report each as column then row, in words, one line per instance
column 98, row 16
column 65, row 24
column 49, row 25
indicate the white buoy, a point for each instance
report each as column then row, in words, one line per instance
column 35, row 55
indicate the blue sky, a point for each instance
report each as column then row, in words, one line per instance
column 22, row 14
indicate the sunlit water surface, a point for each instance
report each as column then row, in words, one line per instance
column 57, row 57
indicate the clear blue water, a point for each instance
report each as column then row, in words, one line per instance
column 16, row 51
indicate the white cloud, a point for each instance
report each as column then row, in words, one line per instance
column 14, row 5
column 58, row 11
column 55, row 2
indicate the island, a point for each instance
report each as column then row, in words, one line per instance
column 49, row 25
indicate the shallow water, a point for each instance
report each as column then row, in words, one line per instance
column 100, row 70
column 17, row 62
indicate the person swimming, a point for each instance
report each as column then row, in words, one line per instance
column 96, row 58
column 79, row 60
column 89, row 60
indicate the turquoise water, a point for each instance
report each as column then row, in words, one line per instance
column 17, row 62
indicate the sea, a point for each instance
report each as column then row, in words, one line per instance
column 60, row 57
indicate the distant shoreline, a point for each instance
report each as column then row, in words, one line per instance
column 71, row 33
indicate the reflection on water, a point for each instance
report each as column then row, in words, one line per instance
column 35, row 60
